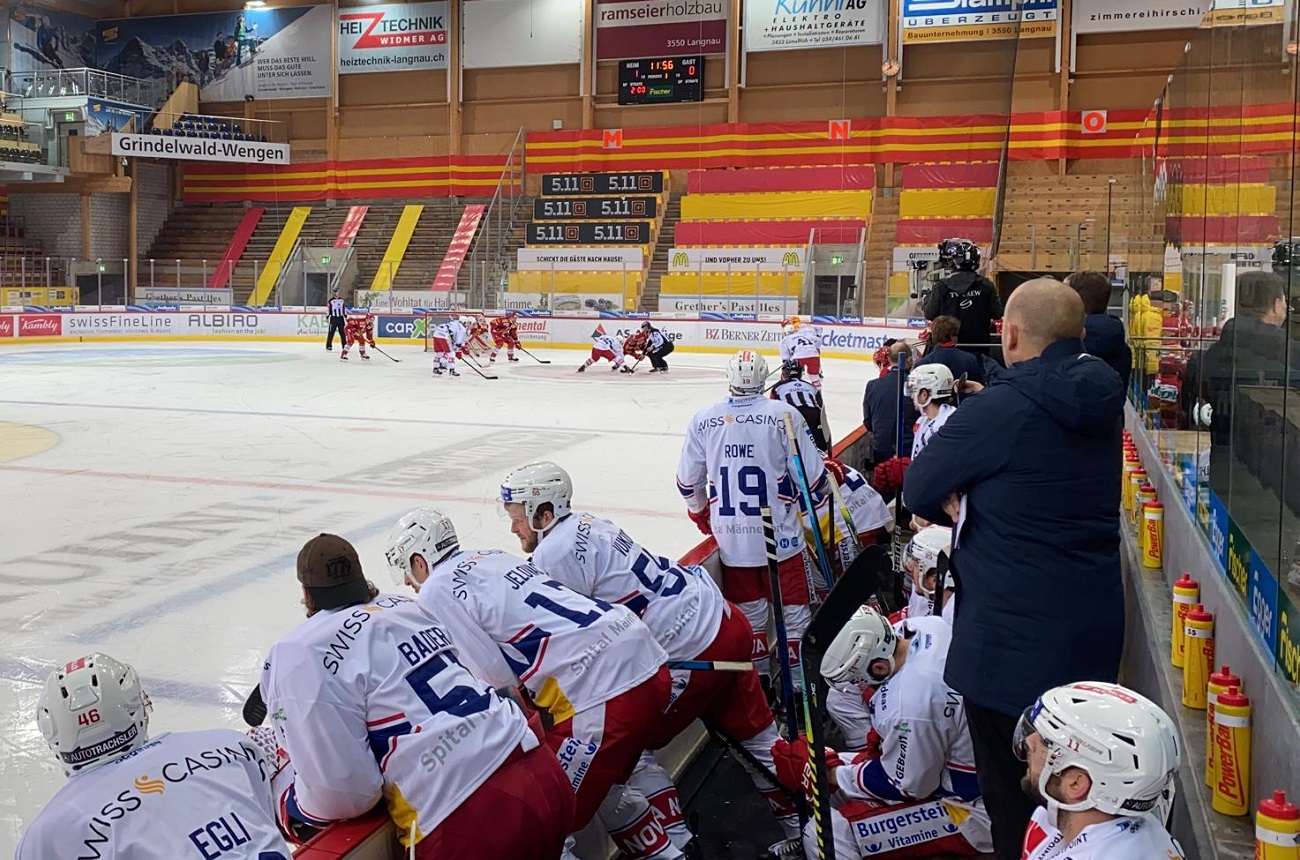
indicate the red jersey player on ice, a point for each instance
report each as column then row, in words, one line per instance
column 736, row 461
column 358, row 329
column 505, row 332
column 636, row 345
column 608, row 347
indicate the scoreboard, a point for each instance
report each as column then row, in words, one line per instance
column 661, row 80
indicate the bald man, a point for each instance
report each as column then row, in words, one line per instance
column 1030, row 466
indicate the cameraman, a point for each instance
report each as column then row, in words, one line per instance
column 966, row 295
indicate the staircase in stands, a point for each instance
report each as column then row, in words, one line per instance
column 659, row 256
column 882, row 235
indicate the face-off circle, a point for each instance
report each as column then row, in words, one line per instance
column 601, row 373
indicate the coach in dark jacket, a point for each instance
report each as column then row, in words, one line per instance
column 1104, row 335
column 1036, row 459
column 880, row 405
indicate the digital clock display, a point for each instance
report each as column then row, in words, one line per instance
column 661, row 80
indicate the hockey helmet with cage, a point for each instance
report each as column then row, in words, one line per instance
column 747, row 372
column 426, row 532
column 864, row 639
column 791, row 324
column 1127, row 745
column 962, row 254
column 923, row 553
column 93, row 711
column 935, row 378
column 537, row 484
column 791, row 369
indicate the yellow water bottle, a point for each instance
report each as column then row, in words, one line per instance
column 1187, row 592
column 1153, row 535
column 1145, row 493
column 1220, row 682
column 1131, row 465
column 1277, row 829
column 1232, row 749
column 1135, row 479
column 1199, row 630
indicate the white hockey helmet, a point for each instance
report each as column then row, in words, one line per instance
column 935, row 378
column 923, row 553
column 93, row 711
column 1124, row 741
column 865, row 638
column 535, row 485
column 424, row 531
column 747, row 372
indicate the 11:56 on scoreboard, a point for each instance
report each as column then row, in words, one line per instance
column 661, row 80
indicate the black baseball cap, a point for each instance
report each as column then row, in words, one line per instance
column 330, row 570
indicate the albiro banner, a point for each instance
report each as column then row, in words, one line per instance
column 199, row 149
column 979, row 20
column 182, row 296
column 580, row 259
column 389, row 38
column 734, row 259
column 780, row 25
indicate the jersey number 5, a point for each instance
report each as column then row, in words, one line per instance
column 750, row 484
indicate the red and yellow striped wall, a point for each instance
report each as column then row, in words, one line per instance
column 438, row 176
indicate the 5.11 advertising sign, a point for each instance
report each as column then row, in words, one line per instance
column 590, row 233
column 602, row 183
column 583, row 208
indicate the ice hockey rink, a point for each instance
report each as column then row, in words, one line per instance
column 156, row 497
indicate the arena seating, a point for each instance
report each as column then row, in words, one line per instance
column 14, row 146
column 217, row 128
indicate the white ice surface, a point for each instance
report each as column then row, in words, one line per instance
column 163, row 526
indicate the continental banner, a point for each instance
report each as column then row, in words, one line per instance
column 389, row 38
column 630, row 29
column 931, row 21
column 591, row 233
column 734, row 259
column 783, row 25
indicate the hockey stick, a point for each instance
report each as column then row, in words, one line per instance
column 386, row 355
column 255, row 707
column 711, row 665
column 845, row 514
column 533, row 357
column 782, row 644
column 473, row 365
column 822, row 560
column 748, row 758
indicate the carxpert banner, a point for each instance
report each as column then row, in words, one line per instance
column 977, row 20
column 262, row 53
column 392, row 38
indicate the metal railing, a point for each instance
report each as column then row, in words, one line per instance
column 486, row 258
column 61, row 83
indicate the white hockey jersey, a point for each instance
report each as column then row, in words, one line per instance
column 925, row 745
column 682, row 606
column 372, row 700
column 459, row 334
column 737, row 459
column 1139, row 838
column 803, row 343
column 446, row 332
column 182, row 796
column 571, row 652
column 607, row 343
column 867, row 510
column 926, row 427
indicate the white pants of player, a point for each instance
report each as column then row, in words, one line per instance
column 849, row 711
column 636, row 828
column 443, row 355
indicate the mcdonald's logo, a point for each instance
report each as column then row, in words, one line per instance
column 791, row 258
column 839, row 129
column 611, row 138
column 680, row 260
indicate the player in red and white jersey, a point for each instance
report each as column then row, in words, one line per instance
column 636, row 345
column 608, row 347
column 918, row 796
column 445, row 348
column 1101, row 759
column 802, row 343
column 868, row 512
column 505, row 332
column 737, row 459
column 931, row 388
column 370, row 700
column 593, row 666
column 181, row 795
column 358, row 328
column 682, row 606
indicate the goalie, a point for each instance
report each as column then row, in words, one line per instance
column 359, row 329
column 912, row 793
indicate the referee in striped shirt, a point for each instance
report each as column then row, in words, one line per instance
column 805, row 398
column 338, row 311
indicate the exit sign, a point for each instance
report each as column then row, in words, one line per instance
column 325, row 260
column 69, row 117
column 837, row 259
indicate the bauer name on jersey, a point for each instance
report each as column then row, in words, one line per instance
column 192, row 795
column 681, row 605
column 383, row 683
column 572, row 653
column 744, row 439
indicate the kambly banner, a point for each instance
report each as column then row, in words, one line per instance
column 628, row 29
column 461, row 241
column 392, row 37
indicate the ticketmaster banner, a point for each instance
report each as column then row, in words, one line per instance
column 928, row 21
column 782, row 25
column 389, row 38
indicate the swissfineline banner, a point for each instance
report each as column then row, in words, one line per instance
column 199, row 149
column 408, row 37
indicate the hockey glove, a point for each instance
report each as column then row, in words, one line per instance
column 837, row 470
column 791, row 760
column 888, row 477
column 701, row 520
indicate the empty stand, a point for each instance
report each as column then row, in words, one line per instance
column 225, row 267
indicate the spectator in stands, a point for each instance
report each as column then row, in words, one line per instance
column 943, row 350
column 1103, row 334
column 1028, row 472
column 880, row 405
